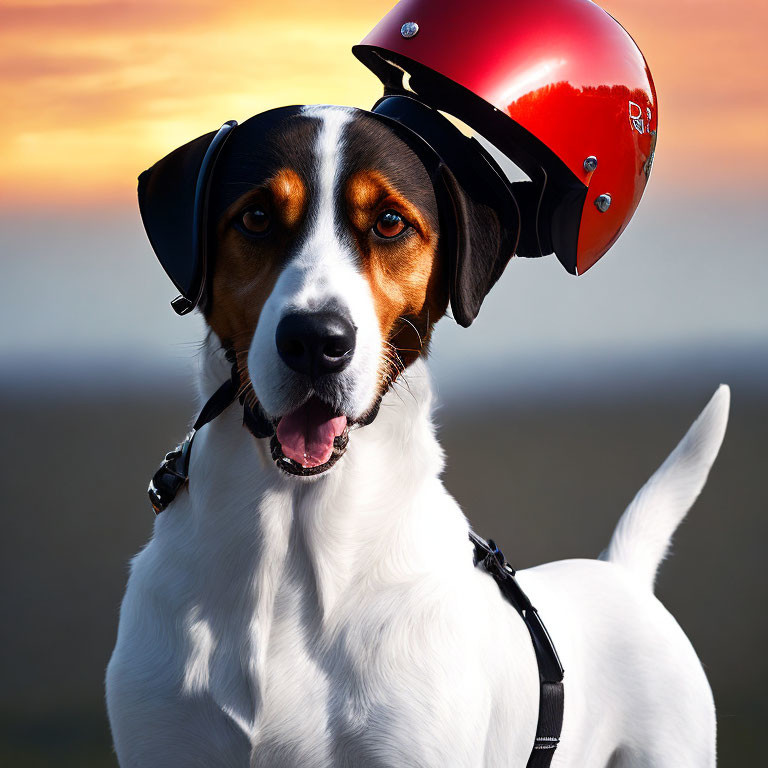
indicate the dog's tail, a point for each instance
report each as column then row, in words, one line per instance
column 643, row 534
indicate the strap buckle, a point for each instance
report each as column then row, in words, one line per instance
column 171, row 476
column 491, row 557
column 495, row 562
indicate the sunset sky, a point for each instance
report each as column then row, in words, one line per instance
column 94, row 91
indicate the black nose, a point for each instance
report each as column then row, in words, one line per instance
column 315, row 343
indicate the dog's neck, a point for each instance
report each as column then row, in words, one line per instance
column 373, row 509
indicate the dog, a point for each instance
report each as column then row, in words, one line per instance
column 313, row 601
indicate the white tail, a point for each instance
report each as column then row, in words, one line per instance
column 643, row 534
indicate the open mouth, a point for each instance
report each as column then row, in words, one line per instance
column 311, row 439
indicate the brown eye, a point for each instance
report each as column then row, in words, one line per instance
column 389, row 224
column 255, row 221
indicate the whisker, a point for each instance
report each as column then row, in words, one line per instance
column 405, row 319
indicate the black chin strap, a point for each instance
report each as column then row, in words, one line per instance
column 552, row 695
column 173, row 474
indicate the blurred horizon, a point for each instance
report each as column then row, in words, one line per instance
column 684, row 288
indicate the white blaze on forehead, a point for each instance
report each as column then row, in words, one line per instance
column 328, row 152
column 322, row 242
column 325, row 269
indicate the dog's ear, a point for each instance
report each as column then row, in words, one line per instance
column 487, row 226
column 167, row 205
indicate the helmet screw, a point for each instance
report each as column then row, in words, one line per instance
column 409, row 29
column 590, row 164
column 603, row 203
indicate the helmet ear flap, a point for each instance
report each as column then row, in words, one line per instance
column 167, row 205
column 173, row 201
column 482, row 242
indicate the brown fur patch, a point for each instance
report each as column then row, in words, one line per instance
column 405, row 274
column 290, row 196
column 246, row 269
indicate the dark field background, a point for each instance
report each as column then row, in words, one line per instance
column 545, row 473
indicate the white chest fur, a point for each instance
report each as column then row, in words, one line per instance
column 332, row 622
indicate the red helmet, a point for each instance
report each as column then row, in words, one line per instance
column 559, row 87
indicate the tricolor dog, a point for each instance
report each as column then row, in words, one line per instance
column 309, row 597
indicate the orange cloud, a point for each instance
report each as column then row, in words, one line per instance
column 94, row 91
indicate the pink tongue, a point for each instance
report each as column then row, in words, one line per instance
column 306, row 435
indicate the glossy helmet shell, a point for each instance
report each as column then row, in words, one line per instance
column 559, row 87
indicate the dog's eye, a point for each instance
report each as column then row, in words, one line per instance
column 255, row 221
column 389, row 224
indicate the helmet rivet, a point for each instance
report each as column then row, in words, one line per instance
column 409, row 29
column 590, row 164
column 603, row 203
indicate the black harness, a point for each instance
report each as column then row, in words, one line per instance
column 551, row 692
column 173, row 475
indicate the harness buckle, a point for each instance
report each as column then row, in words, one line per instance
column 495, row 562
column 171, row 476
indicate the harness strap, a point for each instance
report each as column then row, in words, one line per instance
column 173, row 474
column 219, row 401
column 551, row 691
column 551, row 706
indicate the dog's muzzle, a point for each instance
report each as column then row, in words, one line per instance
column 318, row 346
